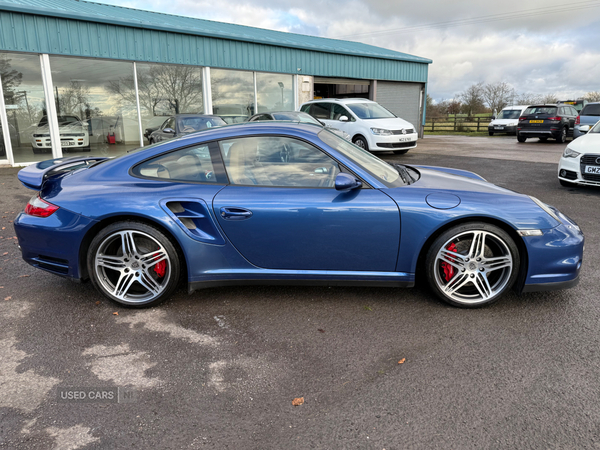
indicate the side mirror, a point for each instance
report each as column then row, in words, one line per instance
column 169, row 130
column 584, row 128
column 345, row 182
column 343, row 119
column 493, row 117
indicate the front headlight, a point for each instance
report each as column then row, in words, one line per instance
column 546, row 208
column 381, row 132
column 512, row 124
column 570, row 153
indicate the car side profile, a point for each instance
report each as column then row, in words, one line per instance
column 369, row 124
column 281, row 203
column 182, row 124
column 547, row 121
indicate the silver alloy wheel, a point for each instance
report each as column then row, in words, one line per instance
column 473, row 267
column 360, row 143
column 126, row 266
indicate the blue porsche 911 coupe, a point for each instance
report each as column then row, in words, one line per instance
column 281, row 203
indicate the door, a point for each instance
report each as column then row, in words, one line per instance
column 281, row 210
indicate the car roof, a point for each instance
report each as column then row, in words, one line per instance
column 342, row 100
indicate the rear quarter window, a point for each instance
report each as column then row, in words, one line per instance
column 591, row 110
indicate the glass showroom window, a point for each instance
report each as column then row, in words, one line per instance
column 25, row 106
column 166, row 89
column 275, row 92
column 232, row 94
column 95, row 105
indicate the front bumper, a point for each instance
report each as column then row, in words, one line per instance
column 66, row 142
column 393, row 142
column 503, row 129
column 555, row 258
column 569, row 169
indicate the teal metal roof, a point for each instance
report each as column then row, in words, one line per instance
column 128, row 17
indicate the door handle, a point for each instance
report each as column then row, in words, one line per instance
column 235, row 213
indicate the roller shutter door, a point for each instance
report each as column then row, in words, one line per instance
column 402, row 99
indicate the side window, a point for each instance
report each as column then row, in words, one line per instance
column 277, row 161
column 574, row 111
column 192, row 164
column 305, row 108
column 320, row 110
column 170, row 123
column 339, row 111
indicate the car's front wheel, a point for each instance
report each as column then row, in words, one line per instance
column 472, row 264
column 521, row 138
column 361, row 142
column 133, row 264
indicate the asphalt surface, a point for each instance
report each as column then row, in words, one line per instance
column 220, row 368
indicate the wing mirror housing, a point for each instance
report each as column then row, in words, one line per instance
column 169, row 130
column 584, row 128
column 345, row 182
column 344, row 119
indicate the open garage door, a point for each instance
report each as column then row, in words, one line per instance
column 341, row 88
column 403, row 99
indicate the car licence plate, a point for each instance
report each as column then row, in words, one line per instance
column 67, row 143
column 536, row 121
column 498, row 128
column 403, row 139
column 592, row 169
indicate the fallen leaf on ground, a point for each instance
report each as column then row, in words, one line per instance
column 298, row 401
column 402, row 361
column 7, row 298
column 23, row 276
column 4, row 228
column 5, row 253
column 115, row 313
column 98, row 302
column 321, row 330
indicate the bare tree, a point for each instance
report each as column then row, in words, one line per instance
column 11, row 79
column 593, row 96
column 527, row 98
column 75, row 100
column 497, row 95
column 472, row 99
column 549, row 99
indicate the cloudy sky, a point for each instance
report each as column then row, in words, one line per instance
column 539, row 46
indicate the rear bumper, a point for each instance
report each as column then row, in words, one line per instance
column 552, row 133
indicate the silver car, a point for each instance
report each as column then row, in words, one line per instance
column 589, row 115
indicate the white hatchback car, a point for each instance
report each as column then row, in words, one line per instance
column 580, row 162
column 371, row 126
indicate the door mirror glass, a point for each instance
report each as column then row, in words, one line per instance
column 344, row 182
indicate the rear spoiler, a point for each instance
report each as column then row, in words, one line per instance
column 34, row 176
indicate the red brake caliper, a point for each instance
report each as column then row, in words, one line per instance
column 448, row 269
column 160, row 267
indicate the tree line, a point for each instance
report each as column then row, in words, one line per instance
column 491, row 98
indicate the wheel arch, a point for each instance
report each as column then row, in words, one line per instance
column 103, row 223
column 523, row 255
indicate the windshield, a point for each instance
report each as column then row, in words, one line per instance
column 595, row 128
column 509, row 114
column 591, row 110
column 62, row 120
column 296, row 116
column 540, row 110
column 373, row 165
column 196, row 123
column 156, row 121
column 369, row 111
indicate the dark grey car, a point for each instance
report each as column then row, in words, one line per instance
column 547, row 121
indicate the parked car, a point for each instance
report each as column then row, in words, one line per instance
column 74, row 135
column 587, row 118
column 281, row 203
column 577, row 104
column 371, row 126
column 507, row 120
column 547, row 121
column 181, row 124
column 153, row 124
column 297, row 116
column 580, row 162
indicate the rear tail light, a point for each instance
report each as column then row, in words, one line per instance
column 40, row 208
column 555, row 118
column 522, row 118
column 578, row 120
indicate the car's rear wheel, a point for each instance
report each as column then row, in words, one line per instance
column 399, row 152
column 133, row 264
column 472, row 264
column 562, row 137
column 361, row 142
column 521, row 138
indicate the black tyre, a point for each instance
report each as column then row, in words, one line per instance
column 361, row 142
column 399, row 152
column 566, row 183
column 472, row 264
column 562, row 137
column 521, row 138
column 491, row 133
column 133, row 264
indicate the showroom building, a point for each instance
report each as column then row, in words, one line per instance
column 78, row 76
